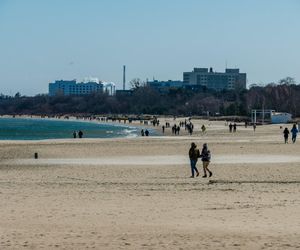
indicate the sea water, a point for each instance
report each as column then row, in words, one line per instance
column 39, row 129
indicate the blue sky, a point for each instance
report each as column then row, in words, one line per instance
column 44, row 40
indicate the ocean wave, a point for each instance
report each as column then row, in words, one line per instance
column 38, row 129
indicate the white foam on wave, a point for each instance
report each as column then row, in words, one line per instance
column 129, row 133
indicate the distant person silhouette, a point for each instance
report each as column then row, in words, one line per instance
column 206, row 156
column 74, row 134
column 80, row 134
column 203, row 128
column 234, row 127
column 142, row 132
column 146, row 132
column 163, row 129
column 254, row 127
column 230, row 127
column 194, row 155
column 177, row 130
column 190, row 128
column 286, row 135
column 294, row 132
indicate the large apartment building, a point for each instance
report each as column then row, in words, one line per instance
column 230, row 79
column 63, row 87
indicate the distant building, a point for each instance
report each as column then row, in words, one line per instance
column 109, row 88
column 126, row 92
column 66, row 88
column 229, row 80
column 165, row 85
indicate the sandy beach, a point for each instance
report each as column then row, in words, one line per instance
column 135, row 193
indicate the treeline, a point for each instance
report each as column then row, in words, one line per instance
column 145, row 100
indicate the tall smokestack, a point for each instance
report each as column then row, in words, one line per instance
column 124, row 76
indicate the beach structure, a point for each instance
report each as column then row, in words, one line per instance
column 264, row 116
column 72, row 87
column 280, row 117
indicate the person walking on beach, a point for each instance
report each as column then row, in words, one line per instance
column 230, row 127
column 146, row 132
column 194, row 155
column 203, row 128
column 80, row 134
column 74, row 134
column 142, row 132
column 163, row 129
column 254, row 126
column 234, row 127
column 294, row 132
column 177, row 130
column 286, row 135
column 205, row 155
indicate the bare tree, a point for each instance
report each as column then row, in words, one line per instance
column 288, row 81
column 136, row 83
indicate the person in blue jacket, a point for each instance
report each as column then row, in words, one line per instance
column 294, row 132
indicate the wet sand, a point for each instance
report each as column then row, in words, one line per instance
column 136, row 193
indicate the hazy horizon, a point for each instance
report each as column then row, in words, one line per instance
column 44, row 41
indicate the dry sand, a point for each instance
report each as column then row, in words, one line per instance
column 136, row 193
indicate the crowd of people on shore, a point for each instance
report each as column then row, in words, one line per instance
column 176, row 128
column 189, row 127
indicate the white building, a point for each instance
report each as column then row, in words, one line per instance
column 62, row 87
column 109, row 88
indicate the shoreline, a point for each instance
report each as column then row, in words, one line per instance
column 88, row 121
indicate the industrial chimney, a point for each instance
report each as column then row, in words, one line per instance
column 124, row 76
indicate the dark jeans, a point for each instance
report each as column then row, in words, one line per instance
column 286, row 138
column 193, row 167
column 294, row 138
